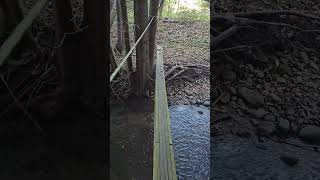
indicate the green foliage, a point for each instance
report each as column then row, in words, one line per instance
column 186, row 10
column 178, row 10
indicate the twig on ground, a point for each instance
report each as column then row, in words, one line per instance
column 21, row 106
column 180, row 72
column 172, row 70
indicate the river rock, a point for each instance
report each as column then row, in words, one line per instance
column 254, row 122
column 193, row 101
column 274, row 97
column 314, row 65
column 284, row 125
column 284, row 68
column 281, row 80
column 233, row 91
column 225, row 99
column 188, row 92
column 289, row 160
column 266, row 128
column 206, row 103
column 241, row 104
column 257, row 113
column 310, row 133
column 252, row 97
column 290, row 112
column 229, row 75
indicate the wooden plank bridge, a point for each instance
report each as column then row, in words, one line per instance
column 164, row 166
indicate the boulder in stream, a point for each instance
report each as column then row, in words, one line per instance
column 310, row 133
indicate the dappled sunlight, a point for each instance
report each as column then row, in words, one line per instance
column 187, row 9
column 191, row 5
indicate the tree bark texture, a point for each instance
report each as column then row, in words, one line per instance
column 142, row 52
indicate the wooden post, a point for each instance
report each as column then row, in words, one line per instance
column 142, row 52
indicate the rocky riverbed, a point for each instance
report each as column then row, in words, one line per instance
column 272, row 87
column 282, row 100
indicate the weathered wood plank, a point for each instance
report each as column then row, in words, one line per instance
column 19, row 31
column 164, row 166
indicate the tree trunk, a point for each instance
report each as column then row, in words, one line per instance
column 113, row 62
column 64, row 16
column 98, row 44
column 126, row 37
column 142, row 52
column 113, row 11
column 152, row 34
column 119, row 45
column 161, row 8
column 85, row 14
column 3, row 19
column 81, row 120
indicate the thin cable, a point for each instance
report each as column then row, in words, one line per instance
column 115, row 72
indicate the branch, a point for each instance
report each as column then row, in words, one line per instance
column 279, row 12
column 224, row 35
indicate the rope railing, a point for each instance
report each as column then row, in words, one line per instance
column 116, row 71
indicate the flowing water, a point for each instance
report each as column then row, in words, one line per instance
column 190, row 135
column 237, row 158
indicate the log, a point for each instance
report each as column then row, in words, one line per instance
column 224, row 35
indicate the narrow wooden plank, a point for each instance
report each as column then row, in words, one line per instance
column 164, row 168
column 19, row 31
column 156, row 161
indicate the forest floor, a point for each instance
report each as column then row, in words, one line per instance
column 186, row 51
column 185, row 38
column 186, row 45
column 266, row 75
